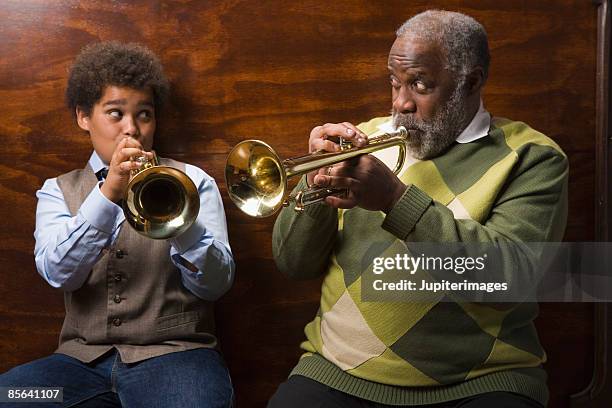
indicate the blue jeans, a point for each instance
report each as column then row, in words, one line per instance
column 194, row 378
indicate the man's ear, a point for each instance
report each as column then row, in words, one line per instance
column 82, row 118
column 475, row 80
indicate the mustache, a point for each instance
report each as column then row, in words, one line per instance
column 409, row 122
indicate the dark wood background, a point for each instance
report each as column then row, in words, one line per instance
column 272, row 70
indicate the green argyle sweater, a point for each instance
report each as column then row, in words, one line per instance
column 510, row 186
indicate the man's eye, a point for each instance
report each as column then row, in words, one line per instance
column 394, row 82
column 146, row 115
column 115, row 114
column 420, row 86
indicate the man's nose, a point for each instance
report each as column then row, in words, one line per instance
column 404, row 103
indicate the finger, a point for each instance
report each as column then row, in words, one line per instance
column 133, row 151
column 317, row 132
column 348, row 163
column 314, row 140
column 339, row 130
column 320, row 134
column 127, row 166
column 337, row 182
column 359, row 138
column 129, row 153
column 120, row 145
column 340, row 170
column 311, row 175
column 131, row 142
column 323, row 145
column 338, row 202
column 126, row 155
column 324, row 171
column 322, row 180
column 318, row 141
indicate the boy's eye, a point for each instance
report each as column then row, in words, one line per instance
column 115, row 114
column 145, row 115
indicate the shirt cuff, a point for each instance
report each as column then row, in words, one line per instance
column 100, row 212
column 402, row 218
column 189, row 238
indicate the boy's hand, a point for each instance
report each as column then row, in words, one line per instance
column 120, row 166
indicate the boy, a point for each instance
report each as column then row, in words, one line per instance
column 139, row 327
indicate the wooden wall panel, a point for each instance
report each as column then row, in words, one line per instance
column 272, row 70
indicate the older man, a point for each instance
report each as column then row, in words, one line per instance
column 469, row 177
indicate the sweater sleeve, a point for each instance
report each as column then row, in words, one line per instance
column 532, row 207
column 302, row 242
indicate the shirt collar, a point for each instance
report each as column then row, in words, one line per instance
column 478, row 127
column 96, row 163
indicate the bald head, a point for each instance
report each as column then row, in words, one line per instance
column 462, row 40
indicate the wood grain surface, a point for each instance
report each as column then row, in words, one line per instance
column 272, row 70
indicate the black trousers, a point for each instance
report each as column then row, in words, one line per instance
column 302, row 392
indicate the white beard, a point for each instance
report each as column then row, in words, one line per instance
column 430, row 138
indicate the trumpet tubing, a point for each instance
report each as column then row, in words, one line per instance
column 257, row 177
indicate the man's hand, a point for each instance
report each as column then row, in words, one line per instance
column 319, row 141
column 120, row 167
column 371, row 184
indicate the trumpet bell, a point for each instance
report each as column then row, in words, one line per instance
column 256, row 181
column 161, row 202
column 256, row 177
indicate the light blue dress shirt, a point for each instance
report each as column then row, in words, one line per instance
column 68, row 247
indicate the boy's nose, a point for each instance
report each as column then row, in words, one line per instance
column 131, row 128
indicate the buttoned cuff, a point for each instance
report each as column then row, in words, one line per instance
column 100, row 212
column 402, row 218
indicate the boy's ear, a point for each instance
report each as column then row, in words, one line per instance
column 82, row 119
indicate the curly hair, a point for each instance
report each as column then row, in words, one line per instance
column 103, row 64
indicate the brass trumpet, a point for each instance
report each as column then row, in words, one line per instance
column 161, row 202
column 257, row 178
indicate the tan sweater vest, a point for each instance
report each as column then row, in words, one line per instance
column 133, row 299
